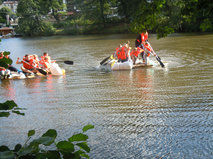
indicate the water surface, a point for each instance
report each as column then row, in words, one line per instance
column 143, row 113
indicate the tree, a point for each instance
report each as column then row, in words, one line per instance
column 3, row 12
column 53, row 6
column 31, row 18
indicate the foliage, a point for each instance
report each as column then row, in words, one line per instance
column 9, row 106
column 45, row 146
column 156, row 16
column 3, row 12
column 32, row 21
column 4, row 62
column 75, row 147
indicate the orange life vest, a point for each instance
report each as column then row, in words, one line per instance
column 28, row 64
column 123, row 54
column 2, row 69
column 148, row 48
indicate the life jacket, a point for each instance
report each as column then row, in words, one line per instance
column 42, row 61
column 28, row 64
column 2, row 69
column 136, row 52
column 118, row 52
column 149, row 49
column 36, row 63
column 123, row 54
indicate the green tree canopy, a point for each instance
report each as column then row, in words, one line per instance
column 3, row 12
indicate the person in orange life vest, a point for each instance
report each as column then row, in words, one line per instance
column 10, row 67
column 124, row 53
column 140, row 42
column 35, row 60
column 45, row 54
column 116, row 55
column 28, row 64
column 46, row 64
column 1, row 55
column 135, row 52
column 148, row 51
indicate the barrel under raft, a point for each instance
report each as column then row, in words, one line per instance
column 122, row 65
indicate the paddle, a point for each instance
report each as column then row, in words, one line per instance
column 104, row 60
column 157, row 57
column 40, row 70
column 69, row 62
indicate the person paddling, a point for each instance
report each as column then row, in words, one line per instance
column 141, row 42
column 28, row 65
column 134, row 54
column 123, row 53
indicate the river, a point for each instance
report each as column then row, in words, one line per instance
column 143, row 113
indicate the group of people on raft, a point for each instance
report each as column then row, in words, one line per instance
column 142, row 47
column 31, row 64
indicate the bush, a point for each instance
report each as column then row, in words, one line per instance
column 45, row 147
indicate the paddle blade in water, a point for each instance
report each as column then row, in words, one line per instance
column 104, row 60
column 69, row 62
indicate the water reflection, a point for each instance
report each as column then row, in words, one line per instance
column 9, row 90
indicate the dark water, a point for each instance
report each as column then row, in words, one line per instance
column 144, row 113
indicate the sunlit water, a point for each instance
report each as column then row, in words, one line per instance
column 144, row 113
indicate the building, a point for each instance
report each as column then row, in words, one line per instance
column 12, row 5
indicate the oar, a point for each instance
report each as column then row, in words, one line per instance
column 157, row 57
column 104, row 60
column 69, row 62
column 40, row 70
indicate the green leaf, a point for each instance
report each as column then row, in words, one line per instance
column 25, row 150
column 48, row 155
column 17, row 147
column 50, row 133
column 8, row 105
column 31, row 133
column 46, row 140
column 3, row 64
column 6, row 53
column 4, row 114
column 85, row 155
column 84, row 146
column 18, row 112
column 78, row 137
column 7, row 155
column 65, row 146
column 4, row 148
column 6, row 60
column 87, row 127
column 53, row 154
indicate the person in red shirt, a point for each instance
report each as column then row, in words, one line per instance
column 28, row 64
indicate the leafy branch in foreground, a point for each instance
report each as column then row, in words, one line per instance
column 9, row 106
column 45, row 147
column 75, row 147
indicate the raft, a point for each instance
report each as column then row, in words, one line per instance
column 56, row 70
column 114, row 65
column 16, row 75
